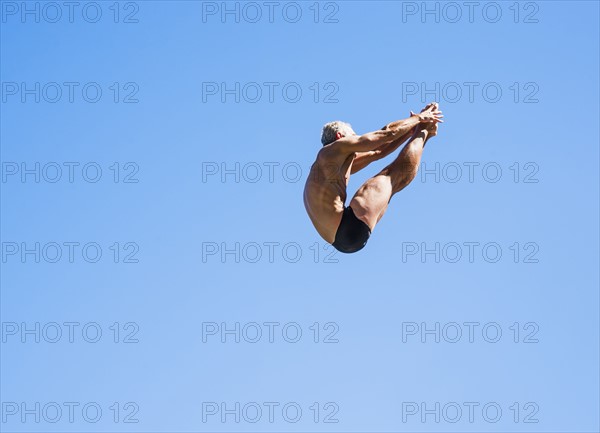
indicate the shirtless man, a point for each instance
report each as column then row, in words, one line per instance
column 344, row 153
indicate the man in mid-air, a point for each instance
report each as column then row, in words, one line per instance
column 344, row 153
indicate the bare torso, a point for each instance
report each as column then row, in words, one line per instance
column 325, row 191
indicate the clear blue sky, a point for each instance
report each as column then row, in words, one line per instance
column 196, row 247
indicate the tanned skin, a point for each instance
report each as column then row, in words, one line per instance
column 325, row 190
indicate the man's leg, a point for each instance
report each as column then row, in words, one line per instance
column 372, row 198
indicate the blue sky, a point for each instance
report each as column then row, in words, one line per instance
column 165, row 212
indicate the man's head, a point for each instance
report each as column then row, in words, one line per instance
column 334, row 131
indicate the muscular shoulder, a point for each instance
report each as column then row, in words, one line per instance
column 326, row 157
column 336, row 151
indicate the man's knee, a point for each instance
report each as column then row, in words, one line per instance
column 402, row 180
column 400, row 174
column 372, row 196
column 376, row 187
column 400, row 184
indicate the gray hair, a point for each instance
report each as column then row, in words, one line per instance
column 332, row 128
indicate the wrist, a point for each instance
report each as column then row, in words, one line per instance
column 425, row 118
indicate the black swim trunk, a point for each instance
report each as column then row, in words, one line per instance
column 352, row 234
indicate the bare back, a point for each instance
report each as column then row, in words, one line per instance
column 325, row 190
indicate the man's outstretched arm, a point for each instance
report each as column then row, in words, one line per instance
column 363, row 159
column 389, row 133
